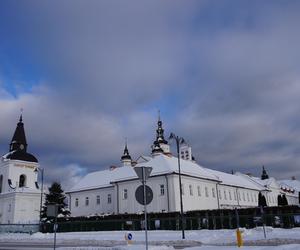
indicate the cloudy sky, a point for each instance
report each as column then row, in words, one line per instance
column 225, row 75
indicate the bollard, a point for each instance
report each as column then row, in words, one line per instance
column 239, row 238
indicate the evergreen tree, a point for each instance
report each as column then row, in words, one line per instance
column 55, row 196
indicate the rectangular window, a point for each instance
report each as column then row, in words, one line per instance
column 191, row 190
column 162, row 190
column 244, row 199
column 229, row 192
column 125, row 194
column 199, row 191
column 213, row 192
column 182, row 189
column 248, row 197
column 220, row 195
column 86, row 201
column 109, row 198
column 234, row 195
column 206, row 191
column 225, row 196
column 76, row 202
column 98, row 200
column 9, row 207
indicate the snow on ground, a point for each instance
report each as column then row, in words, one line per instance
column 165, row 240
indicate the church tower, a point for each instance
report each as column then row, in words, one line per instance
column 160, row 145
column 126, row 158
column 19, row 189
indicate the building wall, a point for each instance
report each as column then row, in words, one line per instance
column 19, row 204
column 92, row 208
column 130, row 205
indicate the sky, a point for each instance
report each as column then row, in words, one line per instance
column 88, row 74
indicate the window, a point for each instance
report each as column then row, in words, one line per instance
column 244, row 199
column 87, row 201
column 225, row 196
column 98, row 200
column 22, row 180
column 182, row 189
column 199, row 191
column 206, row 191
column 239, row 196
column 234, row 195
column 248, row 197
column 125, row 194
column 191, row 190
column 76, row 202
column 213, row 192
column 9, row 207
column 162, row 190
column 229, row 192
column 109, row 198
column 251, row 197
column 1, row 181
column 220, row 195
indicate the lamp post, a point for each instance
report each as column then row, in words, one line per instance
column 42, row 188
column 179, row 140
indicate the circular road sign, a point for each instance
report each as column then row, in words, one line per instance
column 139, row 194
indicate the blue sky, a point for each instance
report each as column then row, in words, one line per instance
column 225, row 75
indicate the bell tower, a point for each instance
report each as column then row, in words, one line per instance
column 19, row 189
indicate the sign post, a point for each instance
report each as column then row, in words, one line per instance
column 52, row 211
column 143, row 173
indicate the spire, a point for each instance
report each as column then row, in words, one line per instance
column 264, row 174
column 160, row 145
column 126, row 158
column 18, row 141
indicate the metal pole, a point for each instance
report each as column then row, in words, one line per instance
column 145, row 208
column 263, row 220
column 237, row 218
column 55, row 228
column 180, row 188
column 42, row 189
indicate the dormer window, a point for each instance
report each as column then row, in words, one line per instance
column 22, row 180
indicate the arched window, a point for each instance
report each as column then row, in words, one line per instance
column 1, row 183
column 22, row 180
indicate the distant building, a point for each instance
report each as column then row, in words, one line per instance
column 19, row 189
column 112, row 191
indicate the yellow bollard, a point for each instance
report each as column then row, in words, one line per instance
column 239, row 238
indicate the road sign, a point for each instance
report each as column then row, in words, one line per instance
column 139, row 172
column 139, row 195
column 52, row 210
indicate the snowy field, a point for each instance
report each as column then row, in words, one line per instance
column 277, row 239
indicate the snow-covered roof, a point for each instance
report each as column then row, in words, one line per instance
column 161, row 164
column 294, row 184
column 234, row 180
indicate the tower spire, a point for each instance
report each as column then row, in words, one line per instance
column 160, row 145
column 264, row 174
column 18, row 141
column 126, row 158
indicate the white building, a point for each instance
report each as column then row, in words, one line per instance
column 19, row 190
column 113, row 190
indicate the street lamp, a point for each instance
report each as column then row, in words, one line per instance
column 42, row 188
column 179, row 140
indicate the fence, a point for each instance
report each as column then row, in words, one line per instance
column 19, row 228
column 171, row 223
